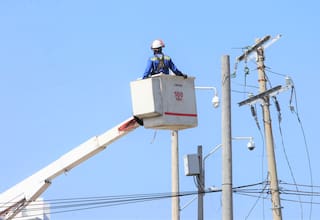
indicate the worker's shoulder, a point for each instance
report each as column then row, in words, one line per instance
column 154, row 58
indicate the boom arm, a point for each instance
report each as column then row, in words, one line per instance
column 21, row 195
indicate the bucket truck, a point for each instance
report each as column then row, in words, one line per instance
column 161, row 102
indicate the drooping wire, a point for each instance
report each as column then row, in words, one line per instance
column 246, row 73
column 197, row 182
column 247, row 86
column 262, row 168
column 241, row 92
column 296, row 112
column 257, row 200
column 285, row 151
column 268, row 69
column 279, row 120
column 254, row 115
column 268, row 80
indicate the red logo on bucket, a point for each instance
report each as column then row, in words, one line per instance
column 178, row 95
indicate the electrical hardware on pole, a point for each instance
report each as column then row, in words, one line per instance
column 264, row 96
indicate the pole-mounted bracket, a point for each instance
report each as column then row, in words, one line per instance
column 253, row 48
column 265, row 42
column 260, row 97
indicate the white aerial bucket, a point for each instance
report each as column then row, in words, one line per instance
column 165, row 102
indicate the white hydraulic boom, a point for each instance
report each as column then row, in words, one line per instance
column 21, row 195
column 160, row 102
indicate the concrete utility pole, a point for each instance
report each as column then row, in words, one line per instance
column 274, row 187
column 175, row 176
column 227, row 203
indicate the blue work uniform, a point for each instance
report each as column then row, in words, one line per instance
column 154, row 68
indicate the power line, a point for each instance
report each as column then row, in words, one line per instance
column 301, row 185
column 285, row 151
column 84, row 203
column 284, row 199
column 257, row 200
column 295, row 110
column 268, row 69
column 64, row 205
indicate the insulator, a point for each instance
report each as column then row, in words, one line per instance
column 253, row 111
column 277, row 105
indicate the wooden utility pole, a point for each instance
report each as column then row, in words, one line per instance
column 227, row 203
column 264, row 96
column 272, row 167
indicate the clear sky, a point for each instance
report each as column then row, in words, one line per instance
column 65, row 69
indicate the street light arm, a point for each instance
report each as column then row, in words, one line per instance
column 215, row 100
column 212, row 151
column 243, row 138
column 217, row 147
column 207, row 88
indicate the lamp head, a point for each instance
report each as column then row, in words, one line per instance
column 215, row 101
column 251, row 145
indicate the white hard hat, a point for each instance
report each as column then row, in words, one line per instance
column 157, row 44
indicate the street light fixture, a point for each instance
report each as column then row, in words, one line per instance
column 215, row 100
column 250, row 145
column 194, row 165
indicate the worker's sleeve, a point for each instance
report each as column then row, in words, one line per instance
column 148, row 70
column 174, row 68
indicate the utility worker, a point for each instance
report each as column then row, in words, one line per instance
column 160, row 63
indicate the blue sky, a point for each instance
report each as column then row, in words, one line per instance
column 65, row 69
